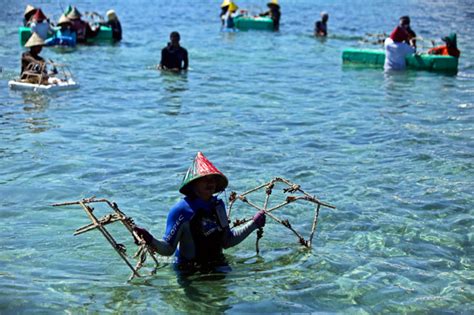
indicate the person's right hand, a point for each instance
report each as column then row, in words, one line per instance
column 144, row 234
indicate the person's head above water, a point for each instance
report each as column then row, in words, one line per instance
column 202, row 179
column 175, row 38
column 404, row 21
column 273, row 4
column 324, row 16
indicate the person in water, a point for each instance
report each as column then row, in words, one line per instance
column 450, row 49
column 228, row 18
column 396, row 49
column 173, row 56
column 65, row 36
column 321, row 27
column 224, row 9
column 82, row 29
column 274, row 13
column 198, row 224
column 28, row 15
column 114, row 23
column 33, row 66
column 405, row 24
column 40, row 25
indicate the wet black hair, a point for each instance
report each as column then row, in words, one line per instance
column 173, row 34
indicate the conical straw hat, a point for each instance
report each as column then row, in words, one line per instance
column 74, row 14
column 201, row 167
column 29, row 9
column 233, row 7
column 35, row 40
column 225, row 3
column 63, row 20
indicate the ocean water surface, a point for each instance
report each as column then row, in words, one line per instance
column 393, row 153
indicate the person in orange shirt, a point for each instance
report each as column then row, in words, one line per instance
column 450, row 49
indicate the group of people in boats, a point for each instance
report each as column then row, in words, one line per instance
column 402, row 42
column 69, row 30
column 229, row 13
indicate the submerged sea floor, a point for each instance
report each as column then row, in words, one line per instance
column 393, row 153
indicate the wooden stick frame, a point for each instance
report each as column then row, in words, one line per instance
column 100, row 223
column 291, row 188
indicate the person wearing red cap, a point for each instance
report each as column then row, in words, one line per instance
column 396, row 49
column 198, row 224
column 40, row 25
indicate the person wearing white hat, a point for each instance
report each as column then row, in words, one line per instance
column 114, row 23
column 28, row 15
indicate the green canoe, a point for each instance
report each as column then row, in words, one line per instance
column 246, row 23
column 104, row 35
column 376, row 57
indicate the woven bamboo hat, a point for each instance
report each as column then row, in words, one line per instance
column 63, row 20
column 74, row 14
column 35, row 40
column 225, row 3
column 29, row 9
column 233, row 7
column 200, row 168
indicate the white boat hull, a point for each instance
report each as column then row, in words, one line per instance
column 53, row 87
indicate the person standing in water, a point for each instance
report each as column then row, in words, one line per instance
column 173, row 56
column 321, row 28
column 274, row 13
column 396, row 49
column 198, row 223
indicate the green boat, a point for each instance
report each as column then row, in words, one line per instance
column 104, row 35
column 376, row 57
column 246, row 23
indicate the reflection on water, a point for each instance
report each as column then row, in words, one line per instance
column 36, row 103
column 175, row 85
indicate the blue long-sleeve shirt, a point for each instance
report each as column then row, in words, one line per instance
column 200, row 230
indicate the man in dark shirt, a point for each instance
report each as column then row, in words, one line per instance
column 173, row 56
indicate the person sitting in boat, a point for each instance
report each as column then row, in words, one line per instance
column 450, row 49
column 396, row 49
column 33, row 66
column 40, row 25
column 82, row 29
column 321, row 27
column 173, row 56
column 274, row 13
column 28, row 15
column 64, row 36
column 405, row 23
column 114, row 23
column 198, row 223
column 228, row 18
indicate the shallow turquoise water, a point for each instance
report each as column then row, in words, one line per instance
column 393, row 153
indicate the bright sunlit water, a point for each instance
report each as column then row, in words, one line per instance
column 394, row 153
